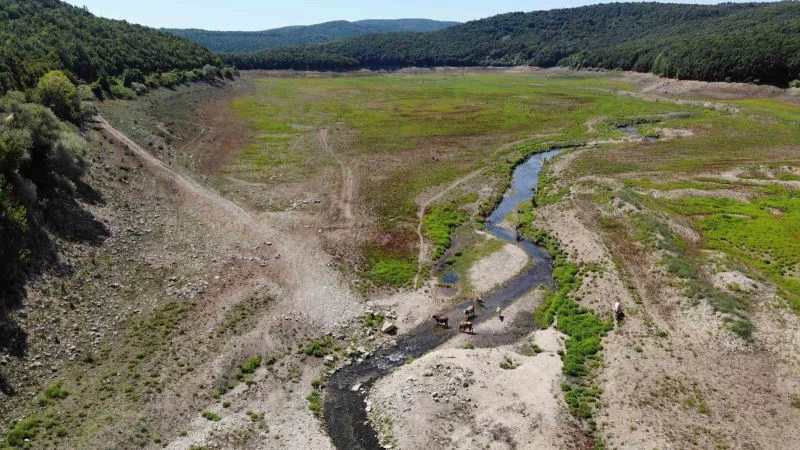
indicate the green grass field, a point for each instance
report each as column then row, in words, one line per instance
column 409, row 133
column 412, row 132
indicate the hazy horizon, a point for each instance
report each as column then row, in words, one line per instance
column 254, row 15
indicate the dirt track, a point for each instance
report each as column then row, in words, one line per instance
column 344, row 202
column 300, row 274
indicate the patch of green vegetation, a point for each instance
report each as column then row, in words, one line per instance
column 408, row 360
column 762, row 233
column 251, row 365
column 393, row 271
column 438, row 226
column 315, row 403
column 238, row 319
column 507, row 363
column 321, row 347
column 647, row 183
column 23, row 433
column 469, row 347
column 584, row 328
column 532, row 350
column 373, row 320
column 54, row 392
column 210, row 415
column 581, row 401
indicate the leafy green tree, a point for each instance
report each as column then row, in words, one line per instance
column 57, row 92
column 132, row 75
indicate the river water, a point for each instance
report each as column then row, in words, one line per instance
column 344, row 408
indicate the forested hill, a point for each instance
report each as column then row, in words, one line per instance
column 250, row 41
column 42, row 35
column 739, row 42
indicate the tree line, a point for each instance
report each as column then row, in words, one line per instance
column 44, row 35
column 751, row 42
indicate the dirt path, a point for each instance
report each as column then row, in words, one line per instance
column 184, row 183
column 423, row 247
column 590, row 124
column 347, row 193
column 295, row 267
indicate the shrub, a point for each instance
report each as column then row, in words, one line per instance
column 56, row 392
column 794, row 83
column 132, row 75
column 22, row 431
column 373, row 320
column 507, row 363
column 58, row 93
column 139, row 88
column 121, row 92
column 251, row 365
column 314, row 403
column 320, row 348
column 212, row 416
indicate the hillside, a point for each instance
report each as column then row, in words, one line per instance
column 738, row 42
column 52, row 35
column 249, row 41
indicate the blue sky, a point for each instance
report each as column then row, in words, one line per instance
column 265, row 14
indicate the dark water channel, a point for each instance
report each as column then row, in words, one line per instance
column 344, row 408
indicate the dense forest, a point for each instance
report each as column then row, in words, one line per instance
column 250, row 41
column 43, row 35
column 56, row 61
column 757, row 42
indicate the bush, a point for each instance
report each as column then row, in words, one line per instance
column 251, row 365
column 56, row 392
column 794, row 83
column 132, row 75
column 23, row 431
column 320, row 348
column 314, row 403
column 58, row 93
column 373, row 320
column 121, row 92
column 139, row 88
column 212, row 416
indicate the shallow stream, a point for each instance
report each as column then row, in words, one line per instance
column 344, row 408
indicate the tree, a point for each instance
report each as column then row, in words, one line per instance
column 132, row 75
column 57, row 92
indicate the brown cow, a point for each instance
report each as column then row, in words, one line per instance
column 470, row 312
column 465, row 326
column 442, row 321
column 480, row 302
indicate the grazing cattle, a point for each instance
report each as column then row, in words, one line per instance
column 442, row 321
column 618, row 314
column 481, row 302
column 470, row 312
column 465, row 326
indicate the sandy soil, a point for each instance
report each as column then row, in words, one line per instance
column 497, row 268
column 458, row 398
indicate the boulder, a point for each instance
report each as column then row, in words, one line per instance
column 388, row 327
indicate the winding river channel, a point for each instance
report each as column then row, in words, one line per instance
column 344, row 409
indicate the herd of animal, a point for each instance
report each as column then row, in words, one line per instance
column 465, row 326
